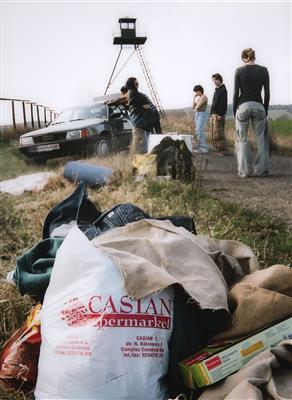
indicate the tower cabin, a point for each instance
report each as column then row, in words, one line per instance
column 128, row 33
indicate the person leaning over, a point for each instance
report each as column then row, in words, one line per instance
column 141, row 116
column 248, row 106
column 218, row 112
column 200, row 104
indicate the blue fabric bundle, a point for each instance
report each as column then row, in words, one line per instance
column 91, row 175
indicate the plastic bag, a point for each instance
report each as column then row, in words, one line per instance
column 97, row 342
column 145, row 164
column 20, row 355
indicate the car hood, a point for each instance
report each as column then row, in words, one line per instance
column 66, row 126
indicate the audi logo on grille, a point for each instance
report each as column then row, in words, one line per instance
column 48, row 137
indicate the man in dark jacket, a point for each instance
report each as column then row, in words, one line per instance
column 218, row 112
column 143, row 115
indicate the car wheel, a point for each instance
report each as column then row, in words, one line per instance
column 103, row 147
column 40, row 161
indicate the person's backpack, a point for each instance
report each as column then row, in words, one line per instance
column 173, row 158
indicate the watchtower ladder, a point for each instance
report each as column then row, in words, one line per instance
column 149, row 79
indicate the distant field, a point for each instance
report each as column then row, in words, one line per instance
column 277, row 127
column 182, row 122
column 281, row 127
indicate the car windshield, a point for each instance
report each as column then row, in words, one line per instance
column 98, row 110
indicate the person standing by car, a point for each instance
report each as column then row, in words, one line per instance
column 248, row 106
column 200, row 104
column 218, row 112
column 142, row 116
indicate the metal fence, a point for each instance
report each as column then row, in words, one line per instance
column 37, row 114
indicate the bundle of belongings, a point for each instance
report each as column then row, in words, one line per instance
column 91, row 175
column 126, row 299
column 26, row 183
column 168, row 158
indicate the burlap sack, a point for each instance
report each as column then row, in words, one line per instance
column 152, row 255
column 259, row 299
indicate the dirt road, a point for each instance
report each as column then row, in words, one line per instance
column 272, row 193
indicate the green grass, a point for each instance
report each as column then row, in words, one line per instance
column 280, row 131
column 278, row 127
column 13, row 164
column 281, row 127
column 269, row 238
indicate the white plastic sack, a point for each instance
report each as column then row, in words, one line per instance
column 97, row 343
column 26, row 183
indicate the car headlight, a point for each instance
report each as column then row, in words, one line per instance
column 26, row 141
column 78, row 133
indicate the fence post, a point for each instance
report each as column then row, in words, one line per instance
column 31, row 114
column 13, row 115
column 38, row 116
column 24, row 116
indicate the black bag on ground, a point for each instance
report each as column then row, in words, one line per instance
column 173, row 158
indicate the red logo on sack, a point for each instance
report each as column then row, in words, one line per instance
column 127, row 313
column 76, row 313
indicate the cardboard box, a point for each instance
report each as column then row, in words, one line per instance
column 154, row 140
column 215, row 362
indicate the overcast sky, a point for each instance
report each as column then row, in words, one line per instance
column 61, row 53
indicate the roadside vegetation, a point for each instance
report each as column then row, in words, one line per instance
column 22, row 216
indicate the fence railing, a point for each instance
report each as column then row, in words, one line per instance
column 29, row 115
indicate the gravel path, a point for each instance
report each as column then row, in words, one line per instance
column 272, row 193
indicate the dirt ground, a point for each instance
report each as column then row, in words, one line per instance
column 272, row 194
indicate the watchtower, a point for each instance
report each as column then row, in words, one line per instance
column 128, row 33
column 128, row 37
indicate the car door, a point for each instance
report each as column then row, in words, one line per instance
column 121, row 126
column 127, row 126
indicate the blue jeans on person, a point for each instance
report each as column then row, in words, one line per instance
column 254, row 112
column 201, row 118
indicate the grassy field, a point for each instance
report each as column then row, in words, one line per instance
column 22, row 219
column 281, row 127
